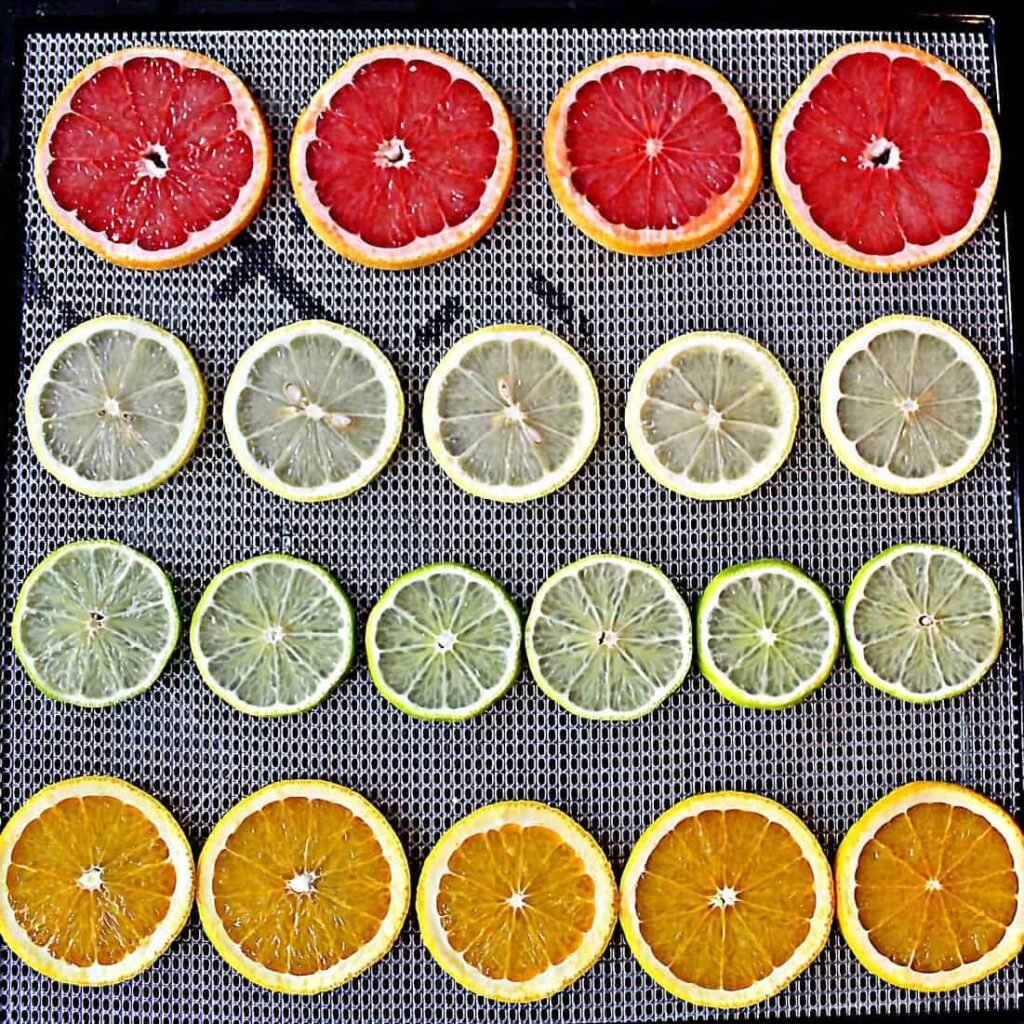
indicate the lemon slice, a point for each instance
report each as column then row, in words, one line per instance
column 511, row 413
column 95, row 623
column 922, row 622
column 273, row 635
column 609, row 638
column 767, row 635
column 313, row 411
column 711, row 415
column 443, row 642
column 908, row 404
column 115, row 406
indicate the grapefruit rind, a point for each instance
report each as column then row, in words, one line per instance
column 896, row 803
column 651, row 241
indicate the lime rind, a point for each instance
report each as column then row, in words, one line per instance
column 856, row 649
column 488, row 695
column 160, row 657
column 661, row 693
column 163, row 469
column 705, row 659
column 330, row 680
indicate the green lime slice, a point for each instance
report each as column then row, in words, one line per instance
column 767, row 635
column 443, row 642
column 115, row 406
column 313, row 411
column 922, row 622
column 511, row 413
column 908, row 404
column 273, row 635
column 711, row 415
column 608, row 637
column 95, row 623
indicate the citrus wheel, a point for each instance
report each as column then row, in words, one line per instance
column 908, row 404
column 726, row 898
column 313, row 411
column 402, row 158
column 885, row 158
column 95, row 623
column 115, row 406
column 711, row 415
column 922, row 622
column 930, row 887
column 302, row 886
column 153, row 157
column 96, row 881
column 651, row 153
column 511, row 413
column 516, row 901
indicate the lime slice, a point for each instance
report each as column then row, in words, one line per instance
column 95, row 623
column 115, row 406
column 608, row 637
column 511, row 413
column 313, row 411
column 443, row 642
column 922, row 622
column 711, row 415
column 767, row 636
column 908, row 404
column 273, row 635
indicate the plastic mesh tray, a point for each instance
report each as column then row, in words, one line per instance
column 827, row 759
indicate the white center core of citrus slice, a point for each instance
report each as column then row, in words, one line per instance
column 111, row 407
column 91, row 880
column 925, row 620
column 767, row 636
column 274, row 634
column 908, row 406
column 933, row 885
column 303, row 882
column 517, row 900
column 393, row 153
column 882, row 153
column 153, row 163
column 608, row 638
column 446, row 641
column 713, row 418
column 727, row 896
column 652, row 147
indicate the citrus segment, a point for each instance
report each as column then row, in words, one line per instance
column 96, row 880
column 885, row 158
column 726, row 898
column 115, row 406
column 651, row 153
column 908, row 404
column 516, row 901
column 403, row 157
column 930, row 885
column 302, row 886
column 511, row 413
column 711, row 415
column 153, row 157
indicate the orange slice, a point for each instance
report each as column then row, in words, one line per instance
column 402, row 158
column 302, row 886
column 726, row 898
column 153, row 157
column 930, row 887
column 651, row 153
column 516, row 901
column 96, row 881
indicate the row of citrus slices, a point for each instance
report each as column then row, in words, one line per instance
column 313, row 411
column 606, row 638
column 724, row 900
column 885, row 158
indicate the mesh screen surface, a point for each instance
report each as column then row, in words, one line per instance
column 827, row 759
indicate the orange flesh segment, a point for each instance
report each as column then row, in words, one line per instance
column 725, row 897
column 301, row 885
column 90, row 880
column 936, row 888
column 515, row 900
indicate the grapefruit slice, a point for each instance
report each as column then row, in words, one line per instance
column 651, row 153
column 153, row 157
column 885, row 158
column 403, row 158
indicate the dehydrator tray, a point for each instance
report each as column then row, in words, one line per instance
column 827, row 759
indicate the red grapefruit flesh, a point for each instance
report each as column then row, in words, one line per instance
column 403, row 158
column 651, row 153
column 153, row 157
column 885, row 158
